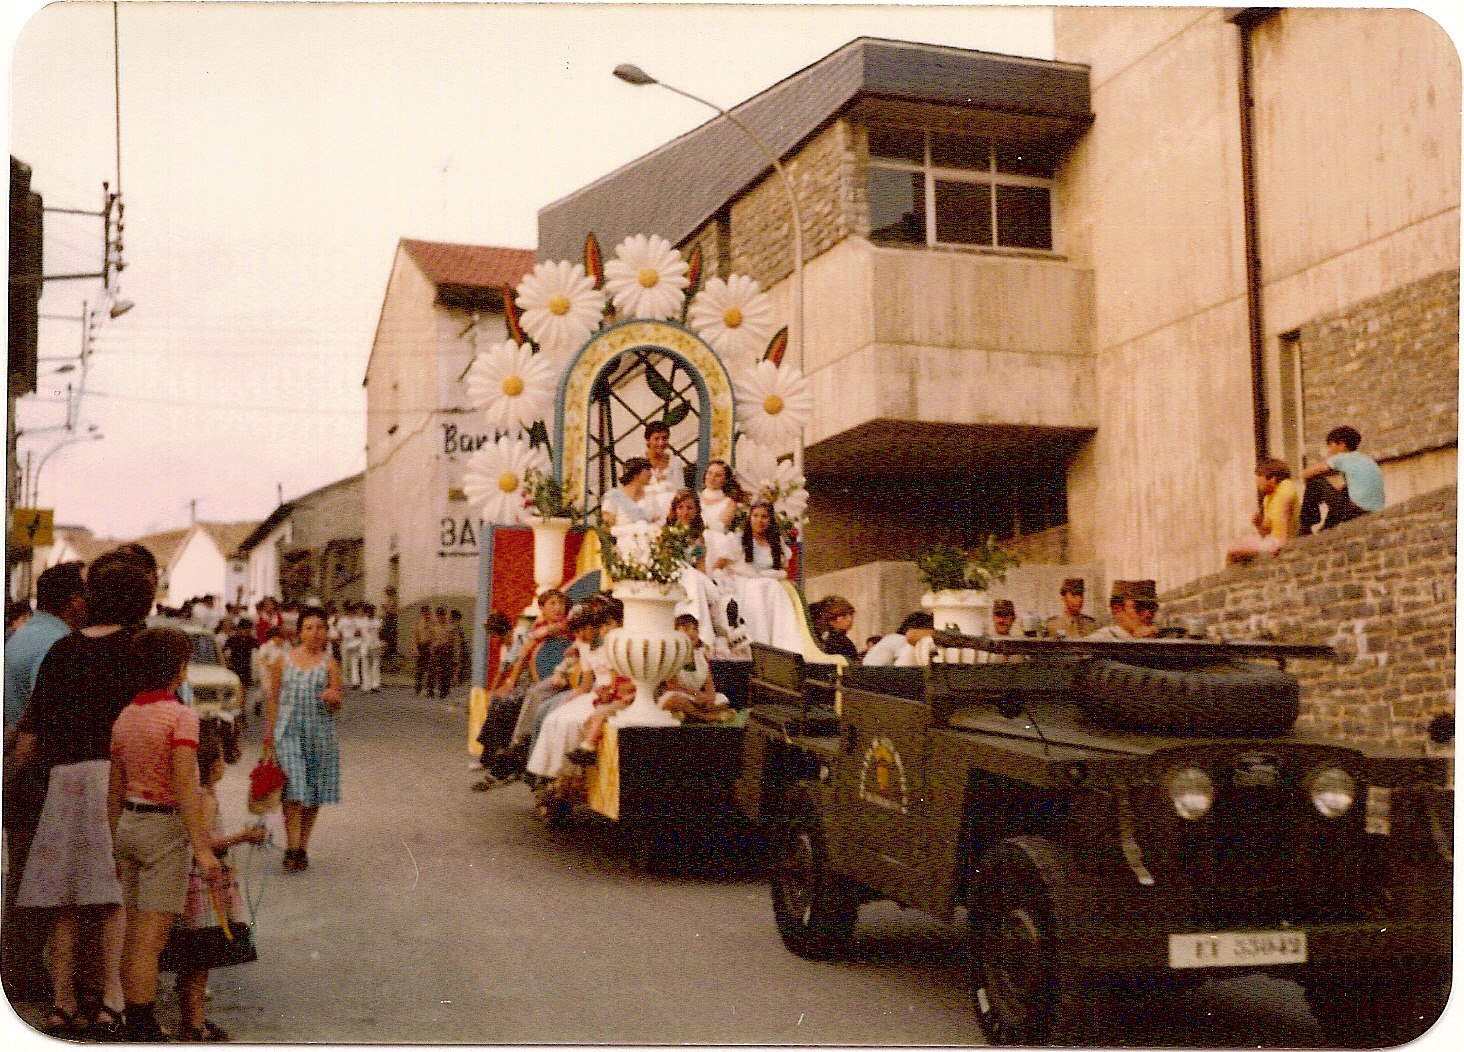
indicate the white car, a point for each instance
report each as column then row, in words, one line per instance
column 215, row 689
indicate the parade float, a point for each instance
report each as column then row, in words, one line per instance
column 595, row 351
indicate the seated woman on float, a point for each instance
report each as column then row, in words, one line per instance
column 704, row 600
column 722, row 497
column 752, row 569
column 630, row 501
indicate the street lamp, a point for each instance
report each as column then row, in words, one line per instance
column 92, row 435
column 632, row 74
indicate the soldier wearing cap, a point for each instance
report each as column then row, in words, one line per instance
column 1072, row 623
column 1133, row 604
column 1003, row 617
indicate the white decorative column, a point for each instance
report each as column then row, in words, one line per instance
column 549, row 535
column 647, row 649
column 966, row 610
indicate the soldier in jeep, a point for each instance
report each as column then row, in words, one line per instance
column 1133, row 605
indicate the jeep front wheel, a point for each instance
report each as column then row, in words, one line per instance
column 815, row 910
column 1025, row 993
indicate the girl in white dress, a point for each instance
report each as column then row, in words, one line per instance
column 757, row 582
column 704, row 600
column 721, row 496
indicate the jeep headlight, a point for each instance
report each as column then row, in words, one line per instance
column 1332, row 791
column 1191, row 792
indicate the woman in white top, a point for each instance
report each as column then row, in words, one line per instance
column 704, row 600
column 721, row 496
column 756, row 581
column 627, row 502
column 352, row 645
column 370, row 648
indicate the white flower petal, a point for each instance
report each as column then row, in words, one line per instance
column 494, row 479
column 561, row 307
column 647, row 278
column 734, row 316
column 774, row 404
column 512, row 385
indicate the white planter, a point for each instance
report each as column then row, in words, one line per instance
column 549, row 537
column 966, row 610
column 647, row 649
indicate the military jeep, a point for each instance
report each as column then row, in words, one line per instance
column 1110, row 816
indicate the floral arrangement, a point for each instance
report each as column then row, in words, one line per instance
column 562, row 304
column 644, row 551
column 947, row 568
column 544, row 497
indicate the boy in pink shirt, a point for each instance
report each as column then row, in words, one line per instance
column 158, row 826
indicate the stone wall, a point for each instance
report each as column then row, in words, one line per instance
column 1388, row 366
column 1044, row 548
column 823, row 173
column 1382, row 590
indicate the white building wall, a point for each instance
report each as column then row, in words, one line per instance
column 198, row 569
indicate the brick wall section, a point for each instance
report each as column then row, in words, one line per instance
column 823, row 173
column 1380, row 588
column 1046, row 548
column 1389, row 367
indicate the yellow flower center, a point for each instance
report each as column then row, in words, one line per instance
column 508, row 482
column 732, row 317
column 772, row 405
column 513, row 386
column 558, row 304
column 648, row 277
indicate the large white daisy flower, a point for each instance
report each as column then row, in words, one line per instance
column 774, row 404
column 734, row 316
column 512, row 385
column 495, row 476
column 647, row 278
column 561, row 307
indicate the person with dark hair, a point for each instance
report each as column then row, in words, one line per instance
column 833, row 616
column 422, row 642
column 197, row 942
column 628, row 502
column 1072, row 623
column 17, row 613
column 57, row 787
column 896, row 647
column 721, row 496
column 1362, row 483
column 158, row 825
column 304, row 697
column 668, row 471
column 444, row 654
column 1279, row 517
column 1133, row 605
column 757, row 583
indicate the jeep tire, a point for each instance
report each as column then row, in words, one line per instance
column 1236, row 696
column 815, row 910
column 1025, row 993
column 1374, row 1013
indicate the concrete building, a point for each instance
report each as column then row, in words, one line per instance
column 309, row 548
column 1070, row 301
column 442, row 302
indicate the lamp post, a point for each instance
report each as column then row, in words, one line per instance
column 92, row 435
column 633, row 74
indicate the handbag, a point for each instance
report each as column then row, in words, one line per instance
column 266, row 785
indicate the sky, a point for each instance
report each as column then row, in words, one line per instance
column 271, row 155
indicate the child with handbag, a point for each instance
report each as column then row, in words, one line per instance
column 199, row 941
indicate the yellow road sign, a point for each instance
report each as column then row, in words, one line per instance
column 32, row 527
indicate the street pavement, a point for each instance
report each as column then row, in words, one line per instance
column 434, row 914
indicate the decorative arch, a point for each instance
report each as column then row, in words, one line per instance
column 574, row 404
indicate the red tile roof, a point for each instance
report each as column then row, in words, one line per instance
column 471, row 266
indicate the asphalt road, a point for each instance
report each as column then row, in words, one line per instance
column 433, row 914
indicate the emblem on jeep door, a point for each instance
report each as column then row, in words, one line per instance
column 882, row 777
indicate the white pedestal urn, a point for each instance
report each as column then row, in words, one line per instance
column 964, row 610
column 647, row 649
column 549, row 535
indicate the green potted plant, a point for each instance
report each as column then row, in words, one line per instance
column 956, row 583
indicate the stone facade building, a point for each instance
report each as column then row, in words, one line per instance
column 309, row 548
column 1071, row 301
column 442, row 302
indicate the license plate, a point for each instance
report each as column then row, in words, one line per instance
column 1237, row 949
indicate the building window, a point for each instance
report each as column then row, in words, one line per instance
column 939, row 188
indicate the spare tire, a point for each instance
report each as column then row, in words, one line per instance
column 1233, row 697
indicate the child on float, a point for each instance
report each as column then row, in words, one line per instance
column 562, row 726
column 691, row 693
column 197, row 942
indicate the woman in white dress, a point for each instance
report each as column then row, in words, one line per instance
column 704, row 600
column 721, row 496
column 564, row 726
column 627, row 502
column 756, row 581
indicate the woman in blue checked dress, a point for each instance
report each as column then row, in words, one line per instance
column 304, row 697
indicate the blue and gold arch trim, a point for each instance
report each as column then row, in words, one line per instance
column 573, row 407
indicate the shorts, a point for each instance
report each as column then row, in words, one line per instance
column 154, row 858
